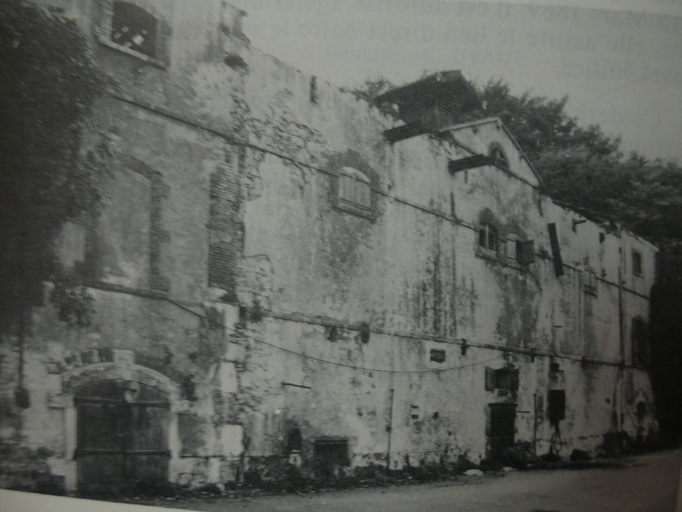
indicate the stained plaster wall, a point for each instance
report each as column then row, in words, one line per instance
column 414, row 274
column 166, row 133
column 311, row 277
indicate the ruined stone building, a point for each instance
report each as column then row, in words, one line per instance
column 283, row 274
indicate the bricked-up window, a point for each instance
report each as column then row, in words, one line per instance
column 134, row 28
column 129, row 243
column 487, row 237
column 354, row 188
column 637, row 263
column 640, row 343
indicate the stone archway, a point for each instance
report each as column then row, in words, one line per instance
column 121, row 426
column 122, row 435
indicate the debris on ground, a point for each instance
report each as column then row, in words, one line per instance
column 473, row 472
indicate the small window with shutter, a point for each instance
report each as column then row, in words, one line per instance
column 505, row 378
column 637, row 263
column 354, row 192
column 520, row 251
column 487, row 238
column 590, row 284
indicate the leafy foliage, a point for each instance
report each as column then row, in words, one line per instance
column 585, row 169
column 47, row 87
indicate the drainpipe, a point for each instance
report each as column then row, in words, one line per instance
column 21, row 396
column 621, row 332
column 535, row 424
column 389, row 429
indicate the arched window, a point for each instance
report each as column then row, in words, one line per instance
column 487, row 237
column 354, row 188
column 134, row 28
column 498, row 156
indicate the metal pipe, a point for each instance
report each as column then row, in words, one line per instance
column 389, row 429
column 621, row 333
column 535, row 424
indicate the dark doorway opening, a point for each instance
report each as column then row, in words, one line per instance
column 329, row 456
column 122, row 436
column 502, row 428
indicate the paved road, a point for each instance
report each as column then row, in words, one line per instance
column 646, row 483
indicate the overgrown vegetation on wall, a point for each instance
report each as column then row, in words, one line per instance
column 47, row 87
column 585, row 170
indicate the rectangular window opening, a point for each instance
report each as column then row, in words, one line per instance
column 637, row 263
column 437, row 355
column 330, row 454
column 506, row 379
column 487, row 238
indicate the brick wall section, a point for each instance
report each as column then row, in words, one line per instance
column 225, row 227
column 159, row 236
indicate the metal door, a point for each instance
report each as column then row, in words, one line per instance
column 502, row 427
column 122, row 436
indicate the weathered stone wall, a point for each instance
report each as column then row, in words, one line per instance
column 160, row 261
column 413, row 273
column 225, row 270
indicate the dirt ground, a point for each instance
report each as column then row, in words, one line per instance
column 643, row 483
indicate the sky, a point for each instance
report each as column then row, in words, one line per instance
column 620, row 64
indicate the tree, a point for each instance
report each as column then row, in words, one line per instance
column 48, row 85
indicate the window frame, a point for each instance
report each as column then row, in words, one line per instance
column 104, row 32
column 590, row 284
column 354, row 192
column 487, row 233
column 514, row 250
column 506, row 378
column 637, row 263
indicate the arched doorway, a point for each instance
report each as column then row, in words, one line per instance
column 122, row 435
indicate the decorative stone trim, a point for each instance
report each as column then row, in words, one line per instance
column 99, row 356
